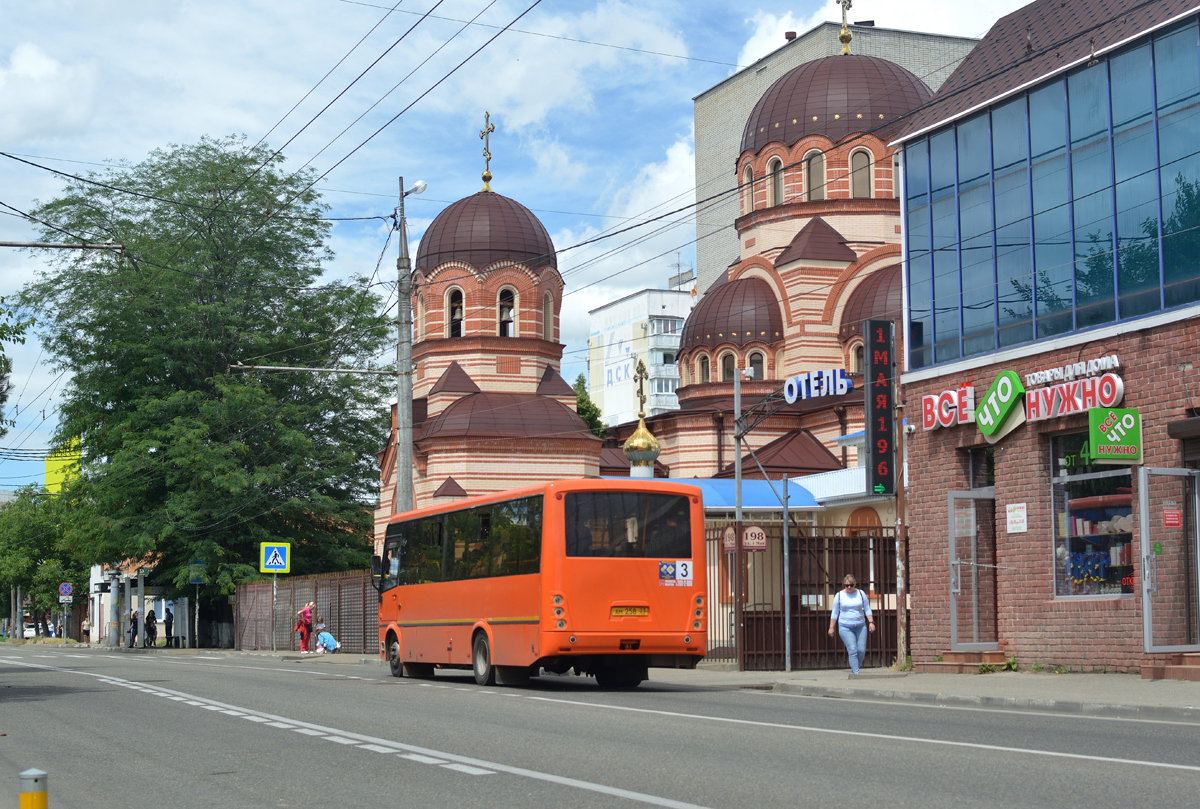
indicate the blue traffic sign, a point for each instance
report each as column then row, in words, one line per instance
column 65, row 588
column 275, row 557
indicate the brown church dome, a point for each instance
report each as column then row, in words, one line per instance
column 834, row 97
column 738, row 312
column 485, row 228
column 877, row 297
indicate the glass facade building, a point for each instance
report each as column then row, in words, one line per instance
column 1070, row 205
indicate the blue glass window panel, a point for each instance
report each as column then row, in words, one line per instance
column 1131, row 86
column 1053, row 264
column 920, row 262
column 1091, row 181
column 975, row 230
column 1177, row 88
column 944, row 222
column 1014, row 292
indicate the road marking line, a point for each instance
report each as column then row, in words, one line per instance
column 193, row 702
column 308, row 731
column 422, row 759
column 177, row 699
column 377, row 748
column 278, row 725
column 254, row 718
column 341, row 740
column 229, row 713
column 468, row 769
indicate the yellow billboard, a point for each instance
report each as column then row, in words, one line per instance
column 63, row 464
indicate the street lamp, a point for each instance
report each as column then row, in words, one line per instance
column 402, row 500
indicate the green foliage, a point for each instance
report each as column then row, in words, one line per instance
column 987, row 668
column 1036, row 667
column 183, row 461
column 586, row 407
column 1011, row 664
column 12, row 330
column 34, row 552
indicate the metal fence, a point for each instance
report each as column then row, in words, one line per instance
column 346, row 601
column 819, row 557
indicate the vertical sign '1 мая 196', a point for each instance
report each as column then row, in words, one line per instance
column 880, row 417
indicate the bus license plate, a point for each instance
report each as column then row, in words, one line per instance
column 623, row 611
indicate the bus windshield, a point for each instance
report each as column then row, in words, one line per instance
column 628, row 524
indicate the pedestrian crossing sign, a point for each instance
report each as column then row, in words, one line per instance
column 275, row 557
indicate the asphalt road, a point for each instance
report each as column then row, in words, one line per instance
column 116, row 730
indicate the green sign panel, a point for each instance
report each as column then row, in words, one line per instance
column 1115, row 435
column 994, row 413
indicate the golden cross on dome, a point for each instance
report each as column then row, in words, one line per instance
column 488, row 129
column 640, row 376
column 845, row 36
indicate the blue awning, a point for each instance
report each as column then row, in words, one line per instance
column 757, row 495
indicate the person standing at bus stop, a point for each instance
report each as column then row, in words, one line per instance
column 852, row 619
column 304, row 625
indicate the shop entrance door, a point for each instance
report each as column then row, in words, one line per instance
column 1170, row 548
column 973, row 570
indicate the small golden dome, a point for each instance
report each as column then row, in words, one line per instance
column 641, row 448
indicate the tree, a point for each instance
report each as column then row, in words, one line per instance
column 586, row 408
column 34, row 553
column 181, row 460
column 12, row 330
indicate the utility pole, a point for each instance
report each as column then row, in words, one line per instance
column 402, row 500
column 739, row 575
column 901, row 443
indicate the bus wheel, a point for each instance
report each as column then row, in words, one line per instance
column 485, row 672
column 394, row 657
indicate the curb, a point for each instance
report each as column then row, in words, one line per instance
column 1069, row 707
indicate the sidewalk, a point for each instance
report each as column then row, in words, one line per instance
column 1125, row 696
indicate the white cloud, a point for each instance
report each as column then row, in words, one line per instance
column 39, row 95
column 554, row 162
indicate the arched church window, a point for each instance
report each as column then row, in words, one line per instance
column 419, row 325
column 756, row 365
column 857, row 363
column 748, row 190
column 727, row 368
column 814, row 176
column 455, row 322
column 704, row 374
column 860, row 175
column 506, row 313
column 548, row 318
column 775, row 169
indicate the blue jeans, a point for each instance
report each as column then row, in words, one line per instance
column 855, row 638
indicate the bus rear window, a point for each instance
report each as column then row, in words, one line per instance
column 628, row 524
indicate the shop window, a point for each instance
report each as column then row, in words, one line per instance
column 1093, row 522
column 814, row 172
column 704, row 372
column 756, row 364
column 981, row 467
column 506, row 313
column 860, row 175
column 456, row 314
column 775, row 169
column 727, row 368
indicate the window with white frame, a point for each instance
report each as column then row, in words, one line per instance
column 814, row 176
column 454, row 324
column 860, row 175
column 775, row 169
column 506, row 308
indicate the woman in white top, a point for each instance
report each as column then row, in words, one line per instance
column 852, row 618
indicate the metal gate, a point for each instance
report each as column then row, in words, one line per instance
column 347, row 601
column 819, row 558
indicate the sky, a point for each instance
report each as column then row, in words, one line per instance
column 591, row 103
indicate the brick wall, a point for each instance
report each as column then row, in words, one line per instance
column 1080, row 633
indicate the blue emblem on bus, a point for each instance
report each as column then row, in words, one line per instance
column 666, row 570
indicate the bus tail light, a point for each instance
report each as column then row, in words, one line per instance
column 699, row 612
column 687, row 638
column 695, row 624
column 699, row 601
column 562, row 624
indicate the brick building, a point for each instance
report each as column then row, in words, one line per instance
column 722, row 110
column 1052, row 301
column 819, row 237
column 490, row 410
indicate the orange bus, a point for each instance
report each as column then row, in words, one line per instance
column 606, row 577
